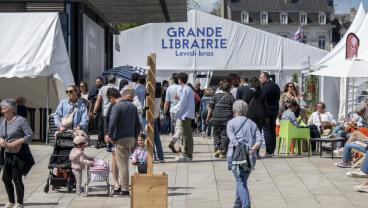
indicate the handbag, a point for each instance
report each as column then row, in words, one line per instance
column 326, row 127
column 15, row 149
column 68, row 120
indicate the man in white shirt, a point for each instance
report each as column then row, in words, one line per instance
column 172, row 102
column 104, row 101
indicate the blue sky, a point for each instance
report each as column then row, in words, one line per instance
column 342, row 6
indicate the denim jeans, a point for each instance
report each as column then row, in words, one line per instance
column 157, row 141
column 346, row 157
column 242, row 199
column 339, row 131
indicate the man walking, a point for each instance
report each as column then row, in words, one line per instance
column 97, row 118
column 272, row 94
column 103, row 100
column 186, row 113
column 171, row 102
column 124, row 127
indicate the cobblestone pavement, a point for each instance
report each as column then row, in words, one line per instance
column 277, row 182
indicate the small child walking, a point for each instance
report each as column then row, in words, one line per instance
column 79, row 160
column 139, row 156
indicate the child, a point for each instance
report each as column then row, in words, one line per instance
column 79, row 160
column 139, row 156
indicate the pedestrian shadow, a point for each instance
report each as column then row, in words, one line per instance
column 199, row 161
column 38, row 204
column 179, row 187
column 178, row 194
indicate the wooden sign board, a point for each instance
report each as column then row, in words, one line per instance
column 149, row 191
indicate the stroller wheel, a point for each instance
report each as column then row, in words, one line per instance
column 47, row 188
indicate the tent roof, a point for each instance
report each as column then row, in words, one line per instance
column 245, row 48
column 32, row 46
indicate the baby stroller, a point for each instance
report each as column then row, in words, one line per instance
column 60, row 171
column 98, row 173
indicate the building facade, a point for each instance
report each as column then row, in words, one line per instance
column 283, row 17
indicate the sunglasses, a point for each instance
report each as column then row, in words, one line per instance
column 82, row 86
column 69, row 91
column 291, row 86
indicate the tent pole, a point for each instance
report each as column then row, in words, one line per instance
column 47, row 109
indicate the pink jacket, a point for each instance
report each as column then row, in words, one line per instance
column 79, row 159
column 139, row 155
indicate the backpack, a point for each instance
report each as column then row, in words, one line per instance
column 241, row 158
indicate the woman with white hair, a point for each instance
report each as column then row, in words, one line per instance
column 242, row 130
column 15, row 133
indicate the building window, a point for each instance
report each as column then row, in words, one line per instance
column 264, row 18
column 322, row 42
column 303, row 18
column 244, row 17
column 322, row 18
column 283, row 18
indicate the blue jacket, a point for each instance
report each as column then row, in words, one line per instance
column 80, row 117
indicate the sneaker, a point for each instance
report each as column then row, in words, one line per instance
column 9, row 205
column 116, row 193
column 125, row 193
column 217, row 153
column 222, row 155
column 338, row 152
column 183, row 159
column 343, row 165
column 361, row 188
column 268, row 155
column 159, row 161
column 18, row 206
column 357, row 174
column 172, row 147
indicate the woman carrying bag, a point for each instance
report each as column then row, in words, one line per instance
column 15, row 133
column 245, row 140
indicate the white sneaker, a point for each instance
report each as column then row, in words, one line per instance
column 183, row 159
column 9, row 205
column 18, row 206
column 357, row 174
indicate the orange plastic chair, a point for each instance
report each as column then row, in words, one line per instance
column 364, row 131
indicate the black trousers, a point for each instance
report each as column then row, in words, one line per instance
column 12, row 174
column 221, row 140
column 270, row 133
column 101, row 123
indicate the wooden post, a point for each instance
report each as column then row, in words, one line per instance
column 150, row 104
column 149, row 190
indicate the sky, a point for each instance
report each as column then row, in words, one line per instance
column 342, row 6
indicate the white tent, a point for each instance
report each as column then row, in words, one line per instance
column 34, row 62
column 335, row 65
column 33, row 53
column 207, row 42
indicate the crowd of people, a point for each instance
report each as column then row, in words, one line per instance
column 238, row 116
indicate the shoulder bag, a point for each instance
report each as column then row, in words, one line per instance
column 68, row 120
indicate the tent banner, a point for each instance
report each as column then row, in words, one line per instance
column 352, row 46
column 207, row 42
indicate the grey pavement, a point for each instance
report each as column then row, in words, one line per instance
column 277, row 182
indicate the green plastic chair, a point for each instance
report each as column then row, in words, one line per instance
column 288, row 132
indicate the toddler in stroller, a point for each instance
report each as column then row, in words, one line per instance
column 79, row 160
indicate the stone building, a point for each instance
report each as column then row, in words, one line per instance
column 283, row 17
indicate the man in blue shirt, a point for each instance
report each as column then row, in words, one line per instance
column 186, row 113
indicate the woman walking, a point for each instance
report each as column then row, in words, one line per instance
column 242, row 131
column 220, row 110
column 15, row 132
